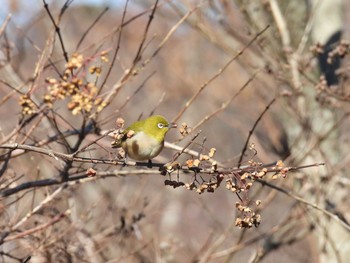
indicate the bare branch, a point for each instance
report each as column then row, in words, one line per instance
column 57, row 29
column 252, row 130
column 91, row 27
column 220, row 71
column 305, row 202
column 138, row 54
column 225, row 104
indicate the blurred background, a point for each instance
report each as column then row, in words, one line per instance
column 207, row 49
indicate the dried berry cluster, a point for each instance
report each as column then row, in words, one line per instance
column 248, row 218
column 341, row 50
column 82, row 94
column 27, row 105
column 203, row 161
column 185, row 129
column 326, row 96
column 208, row 187
column 118, row 136
column 238, row 181
column 317, row 49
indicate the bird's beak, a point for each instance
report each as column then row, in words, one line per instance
column 172, row 125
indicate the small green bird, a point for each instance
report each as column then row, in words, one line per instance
column 144, row 140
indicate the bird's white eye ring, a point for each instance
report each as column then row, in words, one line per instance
column 160, row 125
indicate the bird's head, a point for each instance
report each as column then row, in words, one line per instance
column 156, row 126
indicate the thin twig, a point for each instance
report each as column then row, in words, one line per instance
column 252, row 130
column 31, row 129
column 324, row 136
column 151, row 17
column 126, row 101
column 291, row 56
column 158, row 104
column 90, row 27
column 48, row 199
column 4, row 24
column 38, row 228
column 177, row 155
column 57, row 29
column 129, row 72
column 220, row 71
column 115, row 89
column 170, row 33
column 7, row 158
column 118, row 28
column 189, row 152
column 93, row 142
column 301, row 200
column 116, row 50
column 21, row 126
column 225, row 104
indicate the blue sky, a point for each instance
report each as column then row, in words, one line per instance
column 28, row 8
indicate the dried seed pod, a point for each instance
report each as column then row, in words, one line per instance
column 189, row 163
column 120, row 122
column 196, row 163
column 212, row 152
column 90, row 172
column 204, row 157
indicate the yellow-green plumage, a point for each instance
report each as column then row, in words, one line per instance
column 148, row 138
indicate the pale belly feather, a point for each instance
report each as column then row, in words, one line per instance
column 141, row 147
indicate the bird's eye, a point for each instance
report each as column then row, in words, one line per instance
column 160, row 125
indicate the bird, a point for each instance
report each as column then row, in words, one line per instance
column 143, row 140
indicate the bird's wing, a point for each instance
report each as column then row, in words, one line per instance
column 122, row 136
